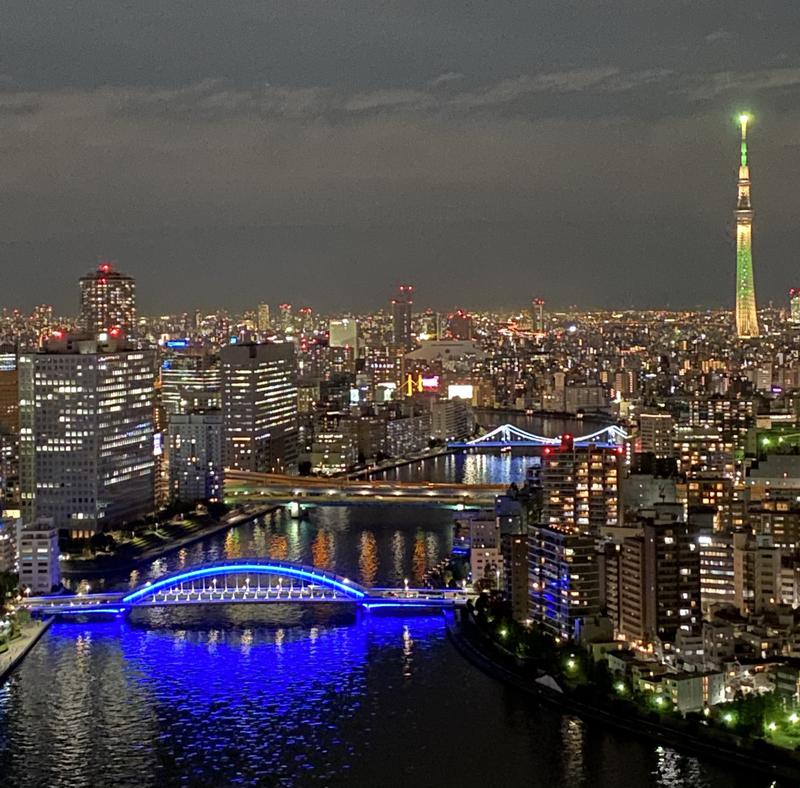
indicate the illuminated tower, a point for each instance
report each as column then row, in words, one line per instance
column 746, row 317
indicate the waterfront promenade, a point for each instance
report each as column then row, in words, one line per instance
column 19, row 647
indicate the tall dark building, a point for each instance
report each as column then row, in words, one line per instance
column 461, row 325
column 108, row 302
column 537, row 315
column 401, row 317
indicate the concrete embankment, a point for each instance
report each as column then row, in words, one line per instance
column 730, row 750
column 19, row 648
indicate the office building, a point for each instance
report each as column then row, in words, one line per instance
column 108, row 302
column 259, row 407
column 190, row 383
column 86, row 434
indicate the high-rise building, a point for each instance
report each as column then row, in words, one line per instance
column 259, row 407
column 564, row 579
column 195, row 456
column 9, row 426
column 580, row 489
column 746, row 316
column 285, row 318
column 86, row 434
column 537, row 315
column 108, row 302
column 794, row 305
column 191, row 383
column 343, row 333
column 656, row 433
column 660, row 580
column 401, row 317
column 263, row 318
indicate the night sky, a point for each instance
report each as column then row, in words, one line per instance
column 323, row 151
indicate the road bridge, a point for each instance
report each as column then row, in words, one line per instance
column 245, row 581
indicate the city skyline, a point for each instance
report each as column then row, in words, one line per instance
column 596, row 175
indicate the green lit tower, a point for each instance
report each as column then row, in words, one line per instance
column 746, row 317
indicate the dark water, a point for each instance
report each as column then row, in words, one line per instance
column 287, row 696
column 241, row 699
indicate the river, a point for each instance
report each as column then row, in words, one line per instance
column 291, row 697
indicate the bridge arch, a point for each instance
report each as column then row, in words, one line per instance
column 248, row 567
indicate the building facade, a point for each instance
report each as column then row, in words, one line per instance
column 195, row 456
column 86, row 434
column 108, row 301
column 259, row 407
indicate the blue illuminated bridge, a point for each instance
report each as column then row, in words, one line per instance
column 246, row 581
column 509, row 436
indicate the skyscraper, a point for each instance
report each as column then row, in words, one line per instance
column 259, row 407
column 580, row 487
column 537, row 315
column 263, row 318
column 401, row 317
column 86, row 434
column 746, row 317
column 794, row 305
column 108, row 301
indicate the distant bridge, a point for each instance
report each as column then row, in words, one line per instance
column 245, row 581
column 510, row 436
column 246, row 486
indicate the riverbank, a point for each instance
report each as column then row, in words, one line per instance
column 727, row 748
column 400, row 463
column 19, row 647
column 110, row 564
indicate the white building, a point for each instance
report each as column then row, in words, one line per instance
column 86, row 433
column 195, row 456
column 37, row 548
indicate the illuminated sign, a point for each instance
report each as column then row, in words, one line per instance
column 177, row 343
column 464, row 391
column 431, row 383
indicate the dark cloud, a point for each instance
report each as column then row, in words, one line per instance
column 225, row 153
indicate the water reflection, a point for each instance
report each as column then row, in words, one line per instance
column 379, row 545
column 573, row 732
column 368, row 559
